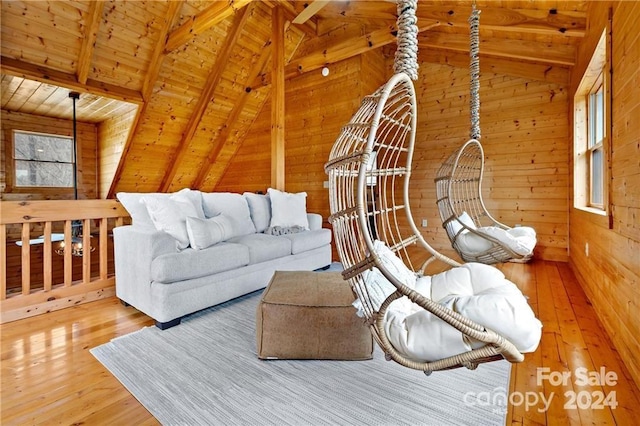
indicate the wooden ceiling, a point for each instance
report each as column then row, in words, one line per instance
column 199, row 70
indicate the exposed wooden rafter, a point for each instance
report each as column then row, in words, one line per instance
column 532, row 21
column 92, row 23
column 540, row 72
column 214, row 14
column 340, row 51
column 502, row 48
column 215, row 170
column 222, row 138
column 152, row 74
column 159, row 51
column 50, row 76
column 310, row 10
column 205, row 98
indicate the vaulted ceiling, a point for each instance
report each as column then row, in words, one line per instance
column 199, row 71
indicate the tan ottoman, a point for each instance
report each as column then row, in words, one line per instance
column 308, row 315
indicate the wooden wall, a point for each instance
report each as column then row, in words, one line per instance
column 316, row 109
column 525, row 137
column 87, row 159
column 112, row 136
column 610, row 273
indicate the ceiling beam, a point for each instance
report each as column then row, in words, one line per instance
column 341, row 51
column 92, row 23
column 197, row 24
column 50, row 76
column 155, row 64
column 532, row 51
column 153, row 71
column 277, row 100
column 223, row 139
column 213, row 79
column 532, row 21
column 310, row 10
column 531, row 71
column 232, row 145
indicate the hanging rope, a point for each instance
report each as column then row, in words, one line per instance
column 406, row 58
column 474, row 71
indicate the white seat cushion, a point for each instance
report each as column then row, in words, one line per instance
column 476, row 291
column 522, row 240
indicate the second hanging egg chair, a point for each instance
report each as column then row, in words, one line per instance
column 474, row 233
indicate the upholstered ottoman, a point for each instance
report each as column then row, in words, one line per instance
column 308, row 315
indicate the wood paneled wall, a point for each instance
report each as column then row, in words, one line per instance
column 610, row 273
column 524, row 126
column 316, row 109
column 112, row 136
column 87, row 159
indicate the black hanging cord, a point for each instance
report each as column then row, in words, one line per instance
column 75, row 96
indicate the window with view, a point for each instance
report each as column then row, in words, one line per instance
column 43, row 160
column 591, row 124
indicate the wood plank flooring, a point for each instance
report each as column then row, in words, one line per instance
column 49, row 376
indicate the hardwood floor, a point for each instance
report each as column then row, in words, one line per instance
column 49, row 376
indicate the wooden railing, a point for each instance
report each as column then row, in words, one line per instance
column 34, row 278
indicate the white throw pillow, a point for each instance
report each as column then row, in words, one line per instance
column 456, row 225
column 394, row 265
column 260, row 208
column 195, row 197
column 517, row 239
column 288, row 209
column 234, row 206
column 169, row 214
column 204, row 233
column 132, row 202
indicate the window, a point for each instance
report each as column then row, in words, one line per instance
column 596, row 140
column 42, row 160
column 591, row 133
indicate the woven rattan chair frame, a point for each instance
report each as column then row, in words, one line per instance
column 459, row 190
column 369, row 200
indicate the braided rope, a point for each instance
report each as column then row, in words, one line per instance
column 406, row 58
column 474, row 70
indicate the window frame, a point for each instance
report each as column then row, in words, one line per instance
column 596, row 75
column 38, row 188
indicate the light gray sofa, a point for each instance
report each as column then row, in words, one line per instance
column 167, row 282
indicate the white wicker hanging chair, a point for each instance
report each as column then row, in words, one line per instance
column 474, row 233
column 369, row 169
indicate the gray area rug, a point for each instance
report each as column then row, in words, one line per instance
column 206, row 372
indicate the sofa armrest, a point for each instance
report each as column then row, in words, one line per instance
column 315, row 221
column 135, row 248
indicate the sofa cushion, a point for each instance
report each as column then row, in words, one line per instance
column 204, row 233
column 260, row 208
column 233, row 206
column 170, row 215
column 190, row 263
column 264, row 247
column 136, row 209
column 131, row 201
column 308, row 240
column 288, row 209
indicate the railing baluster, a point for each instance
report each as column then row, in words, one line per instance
column 3, row 262
column 26, row 259
column 68, row 260
column 104, row 248
column 86, row 252
column 46, row 256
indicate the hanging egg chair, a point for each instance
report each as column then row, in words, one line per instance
column 419, row 321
